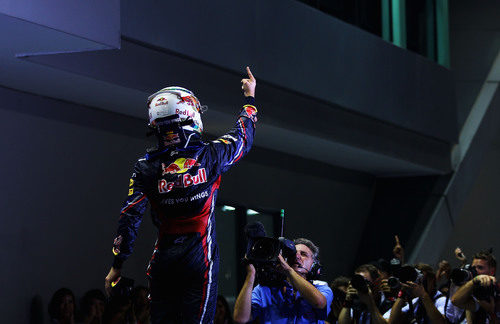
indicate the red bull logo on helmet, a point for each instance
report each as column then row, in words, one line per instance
column 190, row 100
column 161, row 101
column 181, row 165
column 183, row 181
column 185, row 112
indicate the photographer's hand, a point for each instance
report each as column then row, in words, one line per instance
column 444, row 270
column 283, row 266
column 113, row 275
column 351, row 293
column 345, row 312
column 398, row 250
column 385, row 288
column 460, row 255
column 307, row 290
column 484, row 280
column 243, row 305
column 417, row 290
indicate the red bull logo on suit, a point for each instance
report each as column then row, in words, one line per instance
column 183, row 181
column 181, row 165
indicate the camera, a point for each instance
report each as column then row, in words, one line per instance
column 359, row 283
column 484, row 293
column 263, row 254
column 404, row 274
column 460, row 276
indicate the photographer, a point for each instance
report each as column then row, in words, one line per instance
column 425, row 303
column 364, row 298
column 297, row 300
column 339, row 288
column 478, row 296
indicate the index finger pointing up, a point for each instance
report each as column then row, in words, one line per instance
column 250, row 75
column 397, row 239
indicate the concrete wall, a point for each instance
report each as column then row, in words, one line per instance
column 477, row 224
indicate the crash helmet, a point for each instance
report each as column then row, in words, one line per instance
column 172, row 101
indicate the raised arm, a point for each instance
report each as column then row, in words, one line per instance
column 243, row 305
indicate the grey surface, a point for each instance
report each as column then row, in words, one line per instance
column 309, row 88
column 94, row 20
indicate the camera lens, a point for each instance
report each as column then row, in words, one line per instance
column 460, row 276
column 394, row 283
column 408, row 273
column 359, row 283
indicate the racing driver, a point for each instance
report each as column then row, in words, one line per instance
column 180, row 180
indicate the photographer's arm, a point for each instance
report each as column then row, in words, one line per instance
column 243, row 305
column 434, row 315
column 345, row 312
column 396, row 313
column 432, row 312
column 312, row 295
column 345, row 316
column 368, row 300
column 463, row 297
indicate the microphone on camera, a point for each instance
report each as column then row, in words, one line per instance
column 252, row 232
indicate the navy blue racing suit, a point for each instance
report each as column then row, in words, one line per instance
column 181, row 184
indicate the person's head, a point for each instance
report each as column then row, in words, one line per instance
column 93, row 303
column 62, row 305
column 307, row 255
column 429, row 281
column 368, row 271
column 485, row 263
column 340, row 283
column 383, row 268
column 222, row 311
column 339, row 287
column 175, row 113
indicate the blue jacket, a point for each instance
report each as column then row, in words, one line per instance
column 271, row 305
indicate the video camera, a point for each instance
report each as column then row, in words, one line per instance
column 263, row 253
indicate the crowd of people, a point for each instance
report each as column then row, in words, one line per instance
column 380, row 292
column 393, row 292
column 131, row 307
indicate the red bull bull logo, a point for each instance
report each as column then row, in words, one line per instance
column 181, row 165
column 188, row 100
column 183, row 181
column 251, row 111
column 161, row 101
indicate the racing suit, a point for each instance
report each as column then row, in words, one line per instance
column 181, row 185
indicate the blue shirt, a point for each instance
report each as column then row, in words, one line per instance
column 270, row 305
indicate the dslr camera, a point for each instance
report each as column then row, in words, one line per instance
column 460, row 276
column 263, row 254
column 404, row 274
